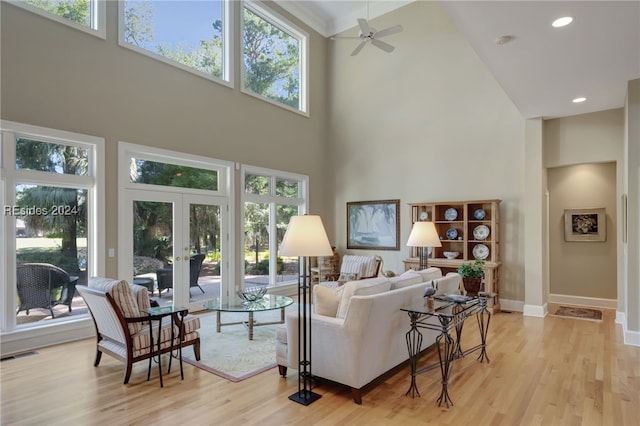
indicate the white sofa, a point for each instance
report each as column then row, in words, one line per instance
column 358, row 330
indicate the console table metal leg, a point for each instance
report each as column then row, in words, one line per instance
column 414, row 343
column 484, row 329
column 446, row 365
column 159, row 351
column 218, row 321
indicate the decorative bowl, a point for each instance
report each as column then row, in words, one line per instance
column 251, row 294
column 451, row 254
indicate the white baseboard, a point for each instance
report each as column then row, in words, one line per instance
column 535, row 310
column 592, row 302
column 631, row 338
column 21, row 341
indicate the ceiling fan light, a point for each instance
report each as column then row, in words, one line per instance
column 579, row 100
column 561, row 22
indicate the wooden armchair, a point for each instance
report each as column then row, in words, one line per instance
column 122, row 325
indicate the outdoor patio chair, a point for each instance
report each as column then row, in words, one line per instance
column 165, row 275
column 43, row 286
column 119, row 311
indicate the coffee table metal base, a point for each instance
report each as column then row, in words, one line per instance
column 249, row 324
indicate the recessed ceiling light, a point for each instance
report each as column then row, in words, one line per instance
column 561, row 22
column 579, row 100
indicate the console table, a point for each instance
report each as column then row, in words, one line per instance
column 450, row 313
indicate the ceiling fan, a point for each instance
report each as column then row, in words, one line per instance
column 370, row 34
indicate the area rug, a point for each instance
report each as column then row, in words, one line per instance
column 580, row 313
column 230, row 354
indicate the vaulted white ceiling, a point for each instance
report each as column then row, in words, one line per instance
column 542, row 68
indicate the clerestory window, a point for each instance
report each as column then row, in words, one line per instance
column 85, row 15
column 274, row 58
column 192, row 35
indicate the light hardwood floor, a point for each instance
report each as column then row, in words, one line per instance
column 551, row 371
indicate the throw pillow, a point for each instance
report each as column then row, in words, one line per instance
column 361, row 288
column 326, row 300
column 430, row 273
column 346, row 277
column 406, row 279
column 122, row 295
column 448, row 285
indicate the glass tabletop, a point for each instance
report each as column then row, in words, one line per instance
column 265, row 303
column 447, row 306
column 165, row 310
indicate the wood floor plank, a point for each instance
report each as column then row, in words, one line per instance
column 551, row 371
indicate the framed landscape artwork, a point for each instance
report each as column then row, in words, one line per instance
column 585, row 225
column 373, row 225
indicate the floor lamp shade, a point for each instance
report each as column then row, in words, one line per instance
column 423, row 235
column 305, row 237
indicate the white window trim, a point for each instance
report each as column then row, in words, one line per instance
column 228, row 7
column 303, row 37
column 98, row 24
column 17, row 339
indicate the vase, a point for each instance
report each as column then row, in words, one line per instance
column 472, row 285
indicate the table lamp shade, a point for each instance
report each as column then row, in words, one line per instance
column 305, row 236
column 424, row 234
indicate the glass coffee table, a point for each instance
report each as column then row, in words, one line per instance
column 268, row 302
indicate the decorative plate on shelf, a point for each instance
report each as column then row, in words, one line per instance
column 424, row 215
column 481, row 232
column 480, row 251
column 479, row 214
column 452, row 233
column 451, row 214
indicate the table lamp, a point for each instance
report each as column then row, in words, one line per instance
column 423, row 235
column 305, row 237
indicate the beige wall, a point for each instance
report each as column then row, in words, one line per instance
column 582, row 269
column 426, row 123
column 55, row 76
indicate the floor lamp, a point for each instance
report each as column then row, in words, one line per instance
column 305, row 236
column 423, row 235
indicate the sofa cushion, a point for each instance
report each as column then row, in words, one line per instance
column 361, row 288
column 405, row 279
column 348, row 276
column 326, row 300
column 122, row 295
column 449, row 284
column 430, row 273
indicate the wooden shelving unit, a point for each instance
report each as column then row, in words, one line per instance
column 456, row 222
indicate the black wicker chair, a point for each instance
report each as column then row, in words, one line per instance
column 165, row 275
column 43, row 286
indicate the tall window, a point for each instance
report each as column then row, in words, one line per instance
column 53, row 193
column 270, row 198
column 192, row 35
column 86, row 15
column 273, row 58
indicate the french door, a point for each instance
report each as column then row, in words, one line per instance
column 175, row 245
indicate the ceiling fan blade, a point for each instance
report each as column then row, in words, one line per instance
column 382, row 45
column 388, row 31
column 345, row 38
column 364, row 26
column 359, row 48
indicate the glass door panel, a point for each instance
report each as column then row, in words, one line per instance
column 205, row 252
column 153, row 243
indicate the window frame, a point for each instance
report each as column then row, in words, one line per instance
column 93, row 182
column 292, row 30
column 273, row 201
column 98, row 21
column 228, row 7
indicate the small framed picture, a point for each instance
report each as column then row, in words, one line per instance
column 585, row 225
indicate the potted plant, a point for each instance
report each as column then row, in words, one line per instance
column 472, row 274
